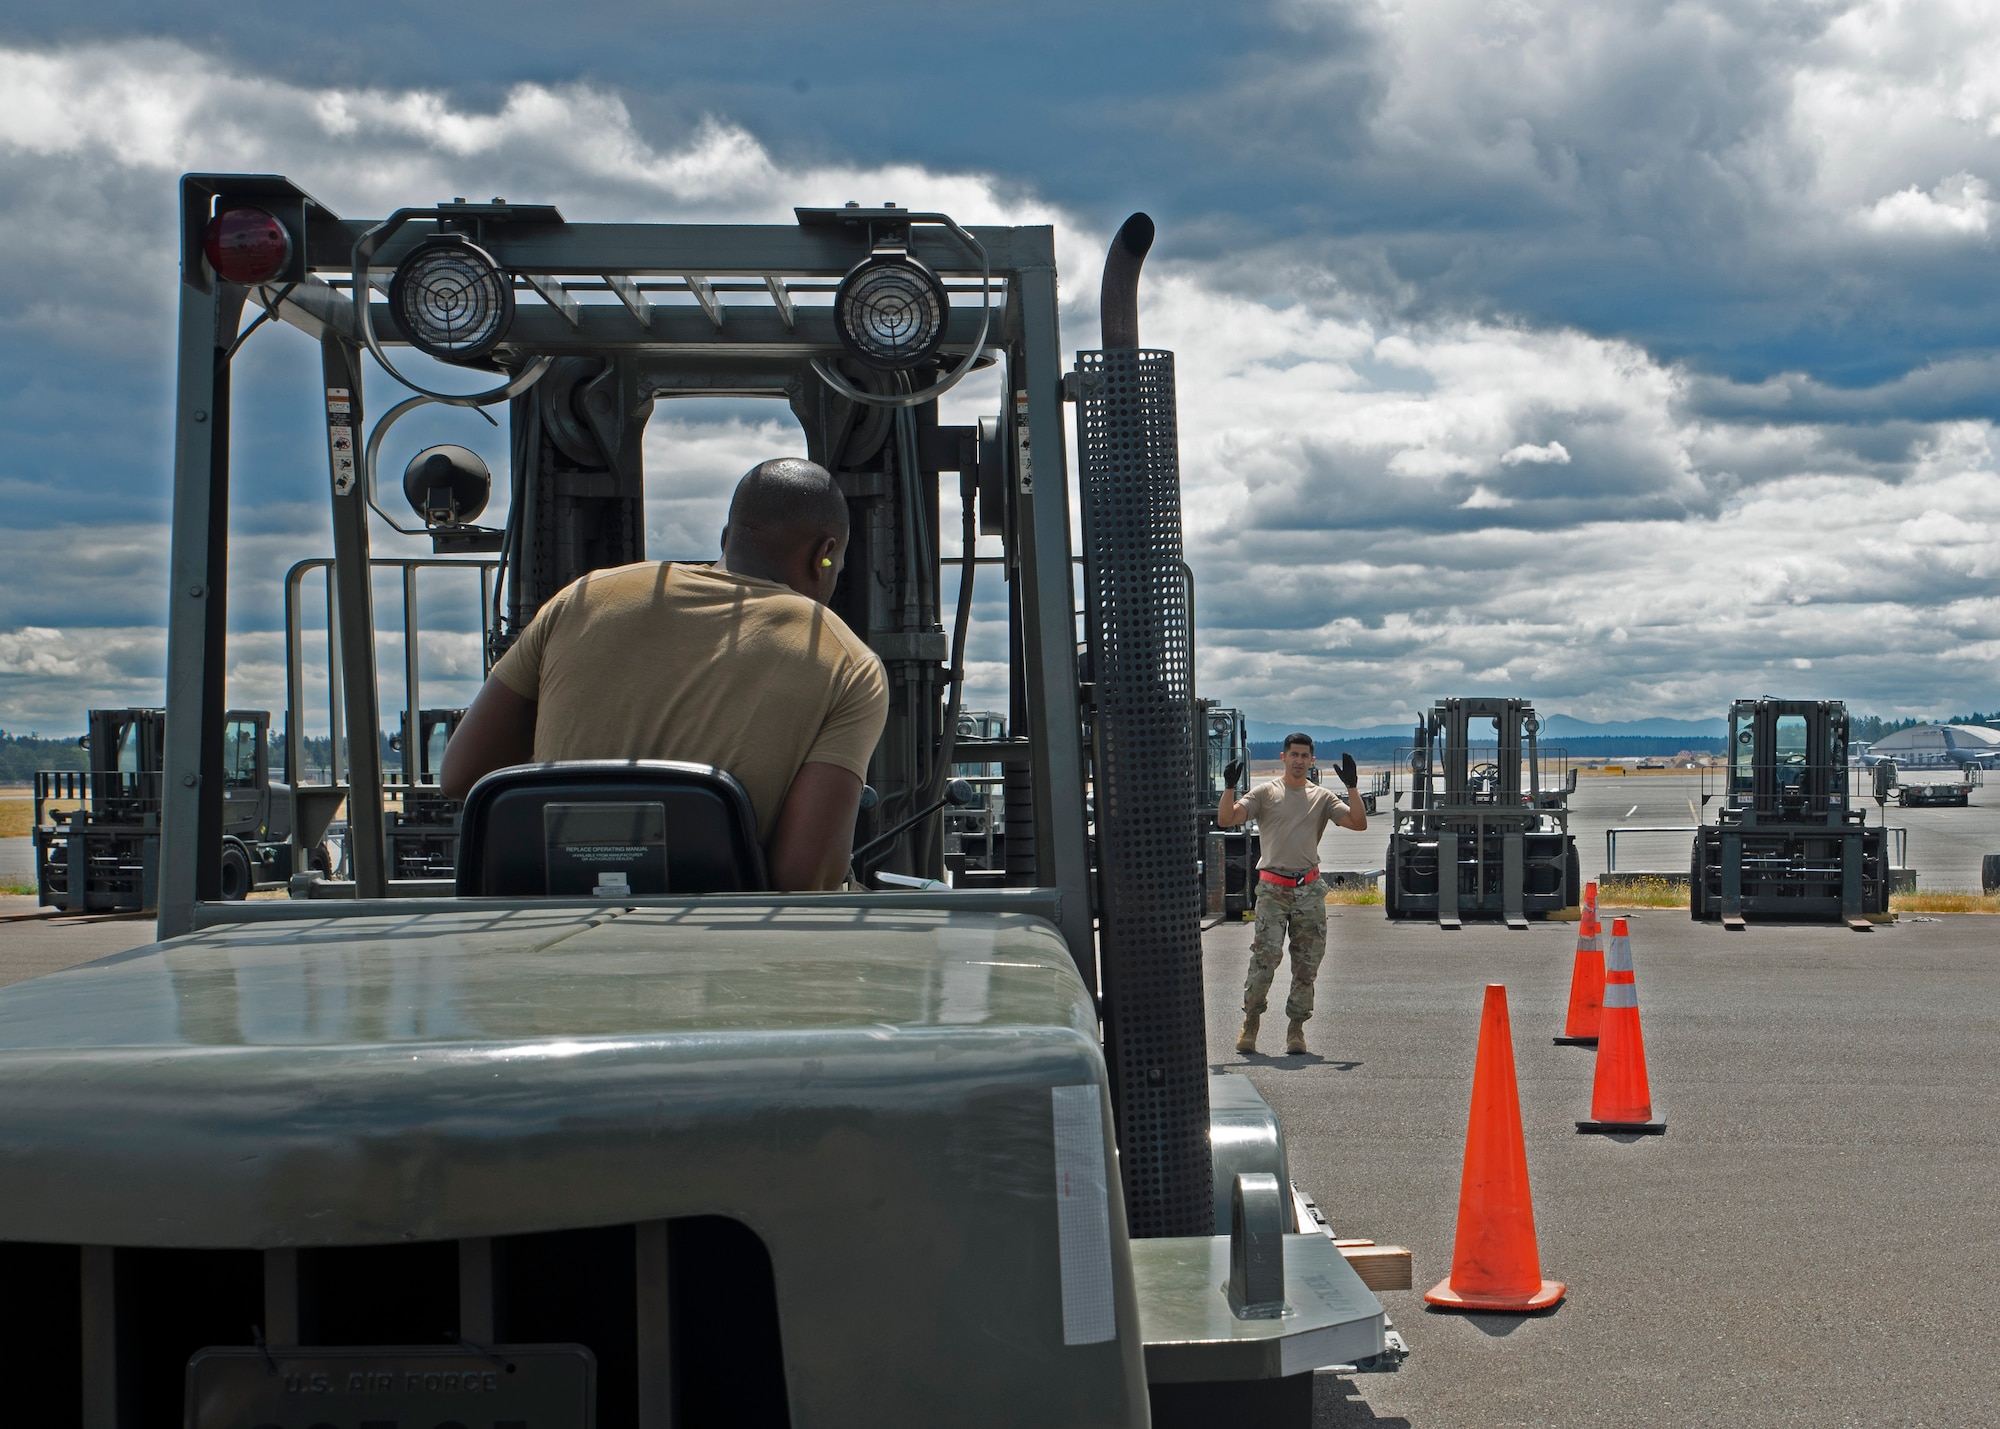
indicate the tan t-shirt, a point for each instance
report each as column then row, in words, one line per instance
column 1290, row 822
column 668, row 661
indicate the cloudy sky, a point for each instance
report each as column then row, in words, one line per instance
column 1632, row 356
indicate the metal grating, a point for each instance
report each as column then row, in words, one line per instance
column 1150, row 900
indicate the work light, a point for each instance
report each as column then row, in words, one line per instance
column 890, row 310
column 451, row 299
column 447, row 485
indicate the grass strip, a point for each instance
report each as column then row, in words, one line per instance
column 1944, row 900
column 1629, row 892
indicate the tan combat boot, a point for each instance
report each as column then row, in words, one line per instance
column 1246, row 1040
column 1295, row 1037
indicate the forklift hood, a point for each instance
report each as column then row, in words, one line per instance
column 354, row 1080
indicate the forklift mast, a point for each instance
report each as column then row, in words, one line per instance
column 434, row 731
column 1219, row 740
column 126, row 748
column 1487, row 781
column 595, row 325
column 1485, row 831
column 1788, row 760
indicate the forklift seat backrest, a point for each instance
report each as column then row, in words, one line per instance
column 608, row 828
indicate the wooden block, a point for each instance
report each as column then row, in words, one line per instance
column 1381, row 1267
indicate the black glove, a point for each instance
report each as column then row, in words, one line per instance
column 1349, row 775
column 1232, row 774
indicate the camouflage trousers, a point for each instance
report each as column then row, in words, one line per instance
column 1301, row 912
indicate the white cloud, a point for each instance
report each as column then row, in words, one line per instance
column 1957, row 206
column 692, row 467
column 1549, row 453
column 1615, row 619
column 1360, row 422
column 1890, row 94
column 1729, row 149
column 39, row 650
column 49, row 676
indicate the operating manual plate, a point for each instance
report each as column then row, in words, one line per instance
column 394, row 1387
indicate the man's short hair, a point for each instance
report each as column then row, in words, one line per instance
column 1305, row 739
column 784, row 503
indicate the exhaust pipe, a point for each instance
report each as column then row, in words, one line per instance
column 1142, row 663
column 1118, row 300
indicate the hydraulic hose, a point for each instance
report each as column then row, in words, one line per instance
column 948, row 743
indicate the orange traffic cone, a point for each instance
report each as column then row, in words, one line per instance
column 1494, row 1264
column 1586, row 978
column 1620, row 1099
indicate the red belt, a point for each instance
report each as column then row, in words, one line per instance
column 1283, row 882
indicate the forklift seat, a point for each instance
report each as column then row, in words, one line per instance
column 608, row 828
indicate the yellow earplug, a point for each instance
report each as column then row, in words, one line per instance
column 824, row 561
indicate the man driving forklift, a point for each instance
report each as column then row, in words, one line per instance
column 738, row 664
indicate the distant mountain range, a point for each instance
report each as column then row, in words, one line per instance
column 1558, row 726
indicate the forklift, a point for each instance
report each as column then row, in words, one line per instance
column 99, row 851
column 1788, row 844
column 608, row 1132
column 421, row 832
column 973, row 832
column 1485, row 831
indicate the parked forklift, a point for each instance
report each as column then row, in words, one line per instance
column 421, row 832
column 611, row 1132
column 97, row 831
column 1788, row 843
column 1485, row 829
column 1229, row 855
column 974, row 832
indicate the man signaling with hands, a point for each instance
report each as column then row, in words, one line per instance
column 1291, row 813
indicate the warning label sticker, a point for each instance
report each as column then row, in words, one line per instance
column 340, row 438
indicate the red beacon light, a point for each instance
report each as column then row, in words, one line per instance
column 247, row 246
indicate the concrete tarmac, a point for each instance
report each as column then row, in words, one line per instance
column 17, row 861
column 1812, row 1242
column 31, row 945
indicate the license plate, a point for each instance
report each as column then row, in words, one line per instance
column 399, row 1387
